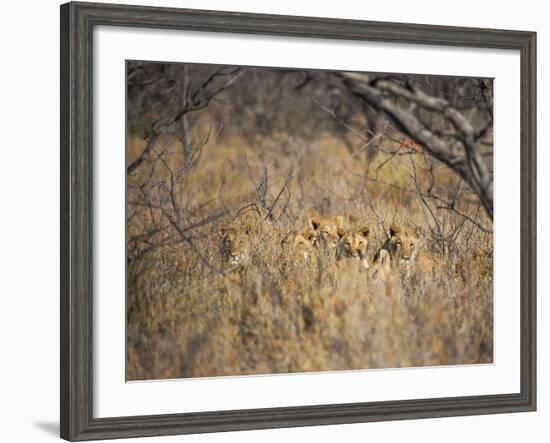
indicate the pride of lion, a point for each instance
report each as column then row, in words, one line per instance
column 346, row 242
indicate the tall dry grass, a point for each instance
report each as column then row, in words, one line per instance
column 190, row 316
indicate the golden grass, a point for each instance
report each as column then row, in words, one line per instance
column 189, row 316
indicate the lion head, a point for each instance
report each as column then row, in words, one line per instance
column 328, row 231
column 402, row 243
column 234, row 244
column 353, row 245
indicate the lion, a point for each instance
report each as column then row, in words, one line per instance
column 319, row 233
column 401, row 246
column 234, row 245
column 402, row 250
column 353, row 246
column 302, row 242
column 328, row 231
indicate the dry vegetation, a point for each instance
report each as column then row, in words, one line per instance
column 192, row 314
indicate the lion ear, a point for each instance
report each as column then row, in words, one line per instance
column 394, row 230
column 364, row 231
column 339, row 220
column 314, row 223
column 340, row 231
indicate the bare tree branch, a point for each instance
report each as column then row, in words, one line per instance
column 464, row 157
column 196, row 101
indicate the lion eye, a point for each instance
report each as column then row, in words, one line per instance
column 412, row 244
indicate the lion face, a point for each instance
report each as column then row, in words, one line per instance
column 305, row 242
column 328, row 231
column 300, row 242
column 403, row 243
column 307, row 237
column 234, row 245
column 353, row 245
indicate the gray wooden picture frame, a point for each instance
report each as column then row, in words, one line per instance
column 77, row 23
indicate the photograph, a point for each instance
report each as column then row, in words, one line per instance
column 282, row 220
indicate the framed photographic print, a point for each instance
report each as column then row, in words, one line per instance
column 273, row 221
